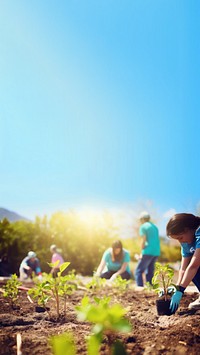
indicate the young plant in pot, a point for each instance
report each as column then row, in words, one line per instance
column 164, row 287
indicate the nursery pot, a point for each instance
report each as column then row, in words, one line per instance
column 163, row 307
column 40, row 309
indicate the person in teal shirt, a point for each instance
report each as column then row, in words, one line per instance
column 115, row 262
column 150, row 249
column 185, row 227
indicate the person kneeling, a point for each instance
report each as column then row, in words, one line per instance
column 29, row 265
column 115, row 262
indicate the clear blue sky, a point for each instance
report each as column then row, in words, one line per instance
column 99, row 104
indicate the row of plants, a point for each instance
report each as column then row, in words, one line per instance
column 108, row 319
column 59, row 288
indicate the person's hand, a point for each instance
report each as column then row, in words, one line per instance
column 175, row 301
column 96, row 274
column 26, row 267
column 170, row 291
column 138, row 256
column 113, row 277
column 39, row 277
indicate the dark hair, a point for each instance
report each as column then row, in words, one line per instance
column 115, row 245
column 180, row 221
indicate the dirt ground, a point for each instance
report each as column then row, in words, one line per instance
column 151, row 334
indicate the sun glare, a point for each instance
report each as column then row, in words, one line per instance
column 90, row 217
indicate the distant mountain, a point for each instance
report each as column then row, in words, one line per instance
column 11, row 216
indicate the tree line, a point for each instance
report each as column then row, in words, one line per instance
column 81, row 243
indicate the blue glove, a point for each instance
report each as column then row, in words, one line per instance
column 37, row 270
column 175, row 300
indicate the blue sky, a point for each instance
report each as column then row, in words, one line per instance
column 99, row 104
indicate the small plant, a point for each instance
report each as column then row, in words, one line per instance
column 121, row 284
column 108, row 321
column 162, row 280
column 40, row 293
column 11, row 289
column 63, row 344
column 96, row 283
column 66, row 286
column 54, row 288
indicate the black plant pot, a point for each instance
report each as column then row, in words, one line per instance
column 163, row 307
column 40, row 309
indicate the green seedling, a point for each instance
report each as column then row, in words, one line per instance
column 40, row 293
column 11, row 289
column 54, row 288
column 56, row 285
column 108, row 321
column 162, row 279
column 96, row 283
column 63, row 344
column 120, row 284
column 66, row 288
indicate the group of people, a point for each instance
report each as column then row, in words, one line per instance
column 184, row 227
column 115, row 260
column 30, row 264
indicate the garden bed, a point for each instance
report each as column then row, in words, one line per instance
column 151, row 334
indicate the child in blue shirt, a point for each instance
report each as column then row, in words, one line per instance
column 185, row 228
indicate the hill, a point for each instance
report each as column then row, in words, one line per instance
column 11, row 216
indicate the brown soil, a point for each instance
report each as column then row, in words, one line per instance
column 151, row 334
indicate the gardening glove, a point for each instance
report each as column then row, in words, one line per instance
column 138, row 256
column 175, row 301
column 38, row 271
column 170, row 291
column 161, row 293
column 113, row 277
column 96, row 274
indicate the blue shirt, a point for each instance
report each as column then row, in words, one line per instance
column 152, row 245
column 115, row 266
column 188, row 249
column 33, row 264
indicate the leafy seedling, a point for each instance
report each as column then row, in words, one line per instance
column 108, row 321
column 54, row 288
column 11, row 290
column 96, row 283
column 120, row 284
column 66, row 286
column 41, row 294
column 63, row 344
column 162, row 280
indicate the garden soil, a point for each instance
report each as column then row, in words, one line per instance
column 151, row 334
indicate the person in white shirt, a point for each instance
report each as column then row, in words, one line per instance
column 29, row 265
